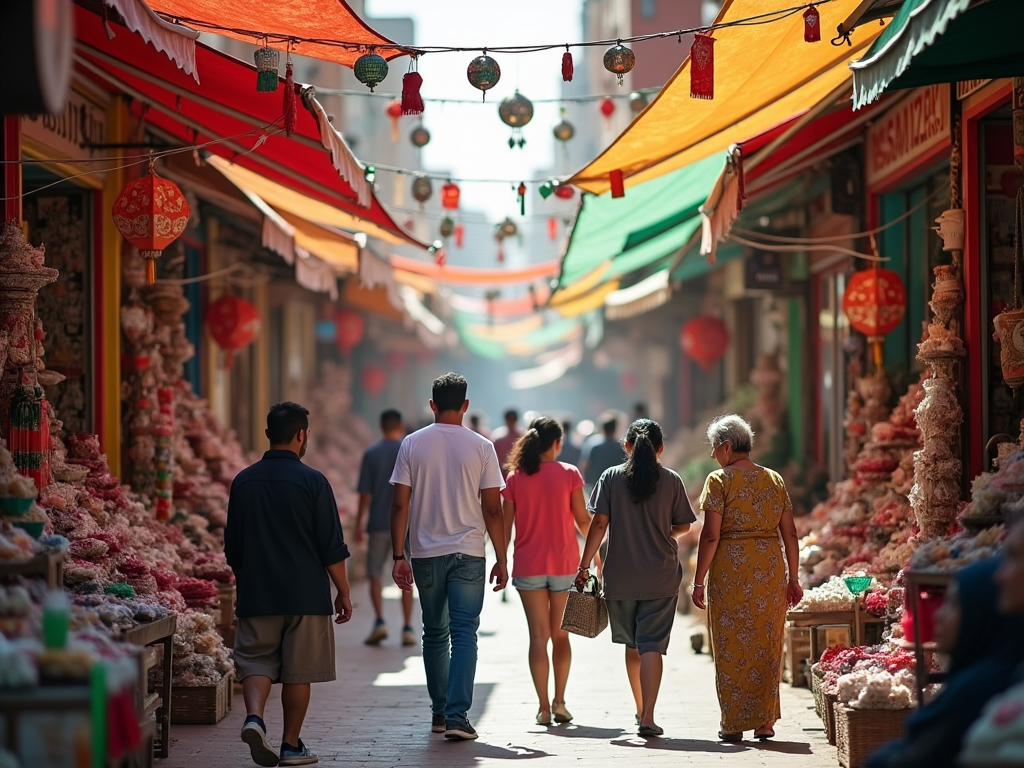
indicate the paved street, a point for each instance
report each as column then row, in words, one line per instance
column 377, row 712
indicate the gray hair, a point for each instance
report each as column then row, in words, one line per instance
column 731, row 429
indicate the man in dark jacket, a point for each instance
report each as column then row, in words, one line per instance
column 284, row 543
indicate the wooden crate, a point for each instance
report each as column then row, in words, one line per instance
column 226, row 605
column 207, row 705
column 859, row 732
column 796, row 650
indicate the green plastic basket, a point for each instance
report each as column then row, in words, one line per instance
column 15, row 505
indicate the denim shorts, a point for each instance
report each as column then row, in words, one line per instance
column 550, row 583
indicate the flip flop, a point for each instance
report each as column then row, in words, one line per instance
column 765, row 736
column 650, row 730
column 730, row 737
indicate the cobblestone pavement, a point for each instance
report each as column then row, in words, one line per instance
column 377, row 712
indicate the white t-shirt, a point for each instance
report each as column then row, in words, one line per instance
column 446, row 466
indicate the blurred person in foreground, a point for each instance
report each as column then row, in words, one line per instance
column 284, row 542
column 505, row 437
column 644, row 510
column 375, row 495
column 602, row 452
column 543, row 498
column 571, row 451
column 751, row 579
column 447, row 486
column 985, row 649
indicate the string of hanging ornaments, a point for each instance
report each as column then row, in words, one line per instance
column 484, row 71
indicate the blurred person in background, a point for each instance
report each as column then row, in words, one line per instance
column 750, row 583
column 544, row 500
column 644, row 510
column 602, row 452
column 505, row 437
column 571, row 451
column 375, row 495
column 477, row 425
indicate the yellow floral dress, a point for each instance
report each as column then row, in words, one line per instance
column 746, row 594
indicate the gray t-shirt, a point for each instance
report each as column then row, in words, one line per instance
column 643, row 558
column 375, row 479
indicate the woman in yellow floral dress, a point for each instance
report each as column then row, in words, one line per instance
column 746, row 508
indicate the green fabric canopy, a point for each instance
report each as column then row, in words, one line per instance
column 653, row 220
column 942, row 41
column 535, row 341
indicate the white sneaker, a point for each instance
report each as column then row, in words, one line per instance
column 254, row 734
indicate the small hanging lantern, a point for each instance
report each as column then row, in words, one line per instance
column 150, row 213
column 370, row 70
column 460, row 235
column 567, row 65
column 521, row 197
column 412, row 102
column 607, row 108
column 552, row 229
column 394, row 112
column 617, row 184
column 233, row 323
column 447, row 227
column 374, row 380
column 419, row 137
column 422, row 189
column 349, row 328
column 875, row 302
column 564, row 192
column 546, row 189
column 483, row 73
column 508, row 228
column 705, row 339
column 702, row 67
column 619, row 60
column 564, row 130
column 288, row 107
column 267, row 63
column 515, row 112
column 450, row 196
column 637, row 102
column 812, row 25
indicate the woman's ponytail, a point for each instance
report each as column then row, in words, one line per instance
column 526, row 453
column 642, row 469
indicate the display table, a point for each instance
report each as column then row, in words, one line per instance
column 916, row 582
column 857, row 619
column 158, row 633
column 49, row 567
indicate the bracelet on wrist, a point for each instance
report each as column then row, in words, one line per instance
column 581, row 569
column 697, row 586
column 396, row 558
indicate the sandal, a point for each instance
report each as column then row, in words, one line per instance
column 543, row 718
column 562, row 715
column 650, row 730
column 770, row 734
column 732, row 738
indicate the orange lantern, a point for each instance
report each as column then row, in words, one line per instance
column 233, row 323
column 705, row 339
column 450, row 196
column 374, row 380
column 875, row 302
column 394, row 111
column 349, row 327
column 151, row 213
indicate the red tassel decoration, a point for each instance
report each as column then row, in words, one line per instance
column 812, row 25
column 290, row 114
column 439, row 258
column 567, row 65
column 553, row 229
column 412, row 102
column 501, row 253
column 618, row 186
column 460, row 233
column 702, row 67
column 521, row 197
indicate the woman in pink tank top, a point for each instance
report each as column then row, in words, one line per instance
column 543, row 498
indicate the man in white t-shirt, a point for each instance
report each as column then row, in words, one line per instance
column 448, row 485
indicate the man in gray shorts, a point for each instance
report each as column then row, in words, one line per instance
column 284, row 543
column 375, row 495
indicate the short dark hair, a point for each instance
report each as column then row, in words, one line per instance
column 566, row 427
column 284, row 422
column 390, row 419
column 449, row 392
column 609, row 426
column 511, row 415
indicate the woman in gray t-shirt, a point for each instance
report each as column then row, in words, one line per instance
column 644, row 509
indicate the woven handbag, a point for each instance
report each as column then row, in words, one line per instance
column 586, row 613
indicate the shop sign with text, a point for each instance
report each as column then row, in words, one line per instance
column 67, row 135
column 908, row 131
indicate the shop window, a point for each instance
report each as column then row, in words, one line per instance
column 62, row 222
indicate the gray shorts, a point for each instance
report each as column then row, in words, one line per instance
column 550, row 583
column 643, row 624
column 378, row 553
column 287, row 649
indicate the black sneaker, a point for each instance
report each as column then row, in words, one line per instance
column 299, row 755
column 437, row 723
column 254, row 734
column 460, row 731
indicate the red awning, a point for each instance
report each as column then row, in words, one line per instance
column 225, row 105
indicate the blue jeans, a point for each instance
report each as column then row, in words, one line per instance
column 451, row 591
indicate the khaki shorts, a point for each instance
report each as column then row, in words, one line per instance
column 287, row 649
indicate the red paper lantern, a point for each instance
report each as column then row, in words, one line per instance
column 705, row 339
column 349, row 328
column 607, row 109
column 233, row 323
column 374, row 380
column 450, row 196
column 151, row 213
column 875, row 302
column 565, row 192
column 627, row 382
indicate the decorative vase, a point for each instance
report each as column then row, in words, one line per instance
column 1009, row 327
column 951, row 229
column 947, row 293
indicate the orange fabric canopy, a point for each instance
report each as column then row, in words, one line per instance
column 473, row 275
column 330, row 22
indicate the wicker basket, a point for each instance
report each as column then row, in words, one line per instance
column 586, row 613
column 206, row 705
column 859, row 732
column 824, row 705
column 797, row 650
